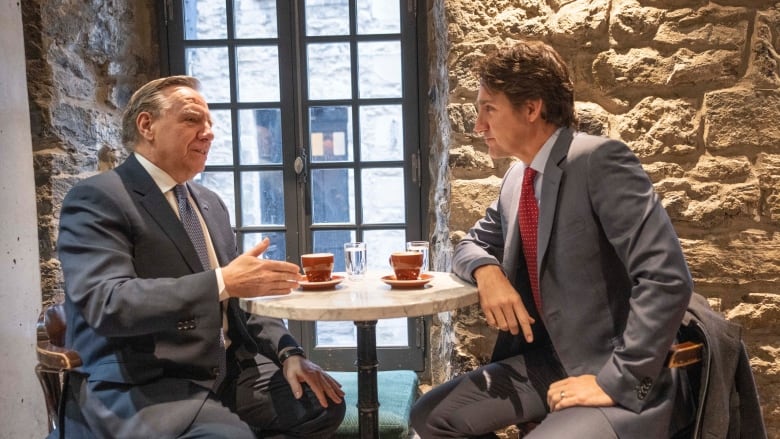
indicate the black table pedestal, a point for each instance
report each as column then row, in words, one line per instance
column 367, row 364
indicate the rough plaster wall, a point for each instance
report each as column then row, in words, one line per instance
column 694, row 88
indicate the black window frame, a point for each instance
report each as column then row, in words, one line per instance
column 291, row 43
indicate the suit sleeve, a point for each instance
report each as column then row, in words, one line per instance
column 639, row 229
column 485, row 242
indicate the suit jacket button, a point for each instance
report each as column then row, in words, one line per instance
column 214, row 372
column 643, row 388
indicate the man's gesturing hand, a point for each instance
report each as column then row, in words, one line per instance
column 250, row 276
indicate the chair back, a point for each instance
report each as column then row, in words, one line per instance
column 54, row 360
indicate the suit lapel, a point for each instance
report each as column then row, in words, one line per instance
column 550, row 185
column 143, row 188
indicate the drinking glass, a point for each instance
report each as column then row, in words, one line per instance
column 355, row 260
column 422, row 247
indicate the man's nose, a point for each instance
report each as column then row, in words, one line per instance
column 207, row 132
column 479, row 125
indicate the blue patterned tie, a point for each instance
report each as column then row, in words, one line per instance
column 192, row 225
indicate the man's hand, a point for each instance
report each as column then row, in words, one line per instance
column 249, row 276
column 298, row 369
column 501, row 303
column 582, row 390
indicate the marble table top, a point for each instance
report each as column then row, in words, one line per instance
column 368, row 299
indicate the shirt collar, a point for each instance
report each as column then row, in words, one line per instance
column 161, row 178
column 540, row 160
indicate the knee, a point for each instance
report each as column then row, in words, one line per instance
column 325, row 424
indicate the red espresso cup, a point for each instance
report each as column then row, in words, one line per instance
column 317, row 266
column 406, row 265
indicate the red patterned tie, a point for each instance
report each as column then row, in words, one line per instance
column 529, row 219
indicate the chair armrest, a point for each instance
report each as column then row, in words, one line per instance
column 684, row 354
column 55, row 357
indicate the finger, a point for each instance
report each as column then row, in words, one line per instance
column 490, row 319
column 295, row 386
column 525, row 321
column 501, row 320
column 316, row 386
column 333, row 389
column 259, row 248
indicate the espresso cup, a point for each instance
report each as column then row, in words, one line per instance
column 317, row 266
column 406, row 265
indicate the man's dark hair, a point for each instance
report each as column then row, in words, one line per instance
column 531, row 70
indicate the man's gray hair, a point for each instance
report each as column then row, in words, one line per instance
column 149, row 98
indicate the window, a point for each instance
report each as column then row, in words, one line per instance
column 315, row 104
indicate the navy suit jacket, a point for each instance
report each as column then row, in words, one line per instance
column 142, row 314
column 613, row 279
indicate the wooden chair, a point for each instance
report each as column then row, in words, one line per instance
column 54, row 360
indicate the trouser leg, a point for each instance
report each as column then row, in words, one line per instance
column 492, row 397
column 263, row 398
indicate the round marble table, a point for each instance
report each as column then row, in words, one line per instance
column 364, row 302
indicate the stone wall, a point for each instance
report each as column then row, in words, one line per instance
column 84, row 60
column 693, row 87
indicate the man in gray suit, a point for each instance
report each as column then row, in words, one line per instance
column 152, row 281
column 581, row 271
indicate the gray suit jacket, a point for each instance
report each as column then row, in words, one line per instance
column 142, row 314
column 613, row 279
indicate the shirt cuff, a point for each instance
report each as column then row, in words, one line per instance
column 223, row 294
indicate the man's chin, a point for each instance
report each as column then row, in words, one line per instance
column 497, row 154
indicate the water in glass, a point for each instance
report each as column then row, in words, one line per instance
column 355, row 260
column 422, row 247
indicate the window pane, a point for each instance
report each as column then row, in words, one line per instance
column 222, row 184
column 343, row 334
column 381, row 133
column 221, row 152
column 379, row 245
column 209, row 65
column 255, row 18
column 258, row 74
column 262, row 198
column 275, row 251
column 332, row 196
column 332, row 241
column 327, row 17
column 329, row 71
column 392, row 332
column 261, row 136
column 336, row 334
column 378, row 17
column 379, row 69
column 383, row 195
column 205, row 19
column 330, row 134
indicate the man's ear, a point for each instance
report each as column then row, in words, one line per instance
column 533, row 108
column 144, row 124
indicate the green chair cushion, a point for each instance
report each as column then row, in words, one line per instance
column 397, row 392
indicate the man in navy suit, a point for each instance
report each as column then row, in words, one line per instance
column 166, row 350
column 582, row 273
